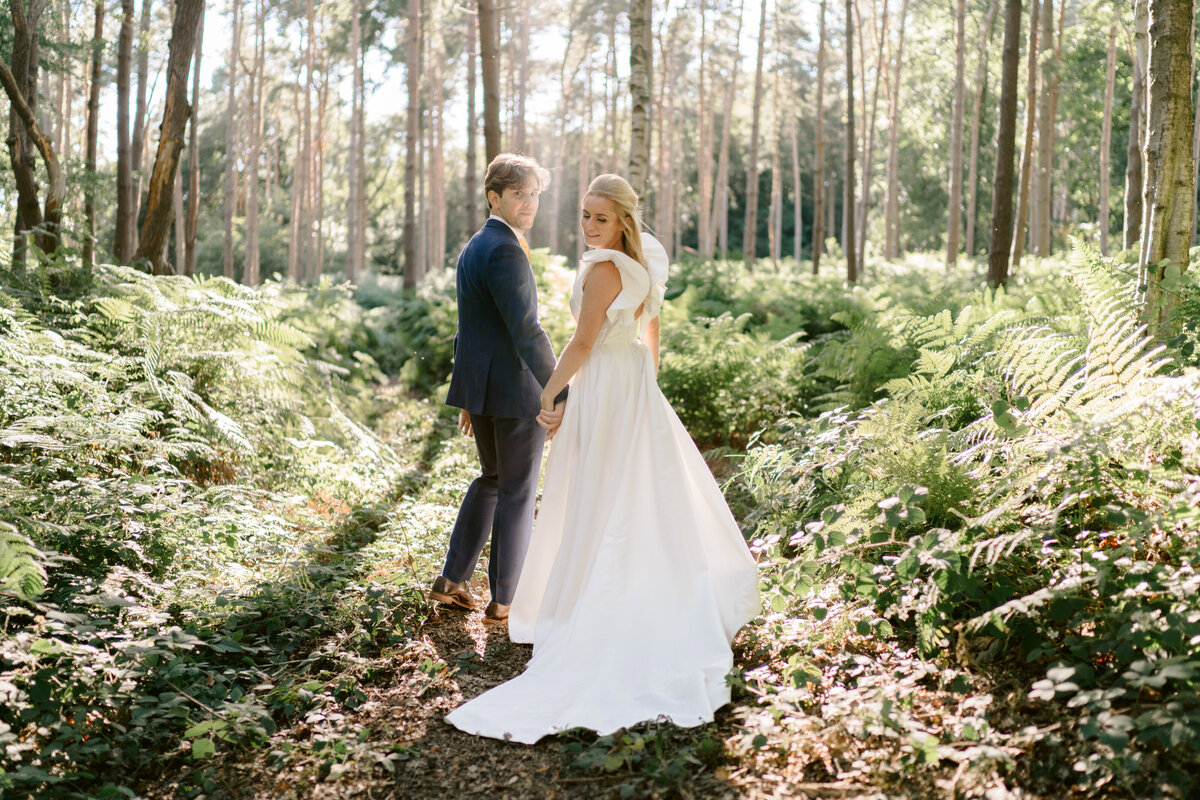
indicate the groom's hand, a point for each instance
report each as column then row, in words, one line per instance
column 464, row 423
column 550, row 420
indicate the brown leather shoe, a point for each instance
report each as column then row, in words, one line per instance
column 454, row 594
column 495, row 614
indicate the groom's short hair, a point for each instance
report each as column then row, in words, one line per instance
column 509, row 170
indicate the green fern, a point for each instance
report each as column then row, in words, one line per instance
column 21, row 572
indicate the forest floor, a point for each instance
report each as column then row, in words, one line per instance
column 387, row 737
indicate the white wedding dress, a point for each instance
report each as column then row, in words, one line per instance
column 637, row 576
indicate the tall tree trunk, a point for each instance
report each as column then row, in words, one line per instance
column 179, row 223
column 437, row 177
column 471, row 176
column 93, row 130
column 251, row 269
column 750, row 228
column 818, row 230
column 704, row 219
column 489, row 46
column 891, row 246
column 954, row 214
column 317, row 267
column 27, row 135
column 231, row 176
column 299, row 182
column 1169, row 202
column 981, row 75
column 62, row 86
column 665, row 217
column 775, row 211
column 798, row 192
column 193, row 193
column 521, row 55
column 157, row 225
column 1134, row 164
column 412, row 269
column 123, row 247
column 1110, row 81
column 1002, row 184
column 1027, row 152
column 1045, row 173
column 869, row 119
column 140, row 114
column 354, row 249
column 305, row 189
column 641, row 57
column 848, row 237
column 720, row 199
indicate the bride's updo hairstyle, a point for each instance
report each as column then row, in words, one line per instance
column 618, row 190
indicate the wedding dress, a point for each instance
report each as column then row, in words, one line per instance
column 637, row 576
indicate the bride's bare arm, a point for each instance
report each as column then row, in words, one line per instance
column 650, row 339
column 602, row 286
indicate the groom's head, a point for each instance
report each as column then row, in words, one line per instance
column 512, row 185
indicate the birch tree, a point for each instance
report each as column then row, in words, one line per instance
column 1002, row 184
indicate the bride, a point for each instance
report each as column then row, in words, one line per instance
column 637, row 576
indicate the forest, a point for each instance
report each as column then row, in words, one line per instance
column 930, row 319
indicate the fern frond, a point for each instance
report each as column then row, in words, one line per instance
column 21, row 571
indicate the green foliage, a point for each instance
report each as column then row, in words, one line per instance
column 21, row 570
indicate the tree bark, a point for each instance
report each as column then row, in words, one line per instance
column 891, row 247
column 193, row 194
column 251, row 264
column 123, row 247
column 489, row 35
column 412, row 269
column 21, row 141
column 775, row 211
column 848, row 237
column 1018, row 242
column 520, row 54
column 231, row 138
column 704, row 219
column 864, row 204
column 750, row 227
column 437, row 173
column 818, row 230
column 798, row 191
column 49, row 219
column 1106, row 138
column 954, row 215
column 1041, row 219
column 1005, row 143
column 981, row 75
column 1134, row 164
column 180, row 222
column 665, row 216
column 93, row 129
column 354, row 251
column 720, row 194
column 471, row 176
column 641, row 67
column 1168, row 202
column 140, row 115
column 157, row 225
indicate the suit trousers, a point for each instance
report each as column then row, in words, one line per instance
column 500, row 502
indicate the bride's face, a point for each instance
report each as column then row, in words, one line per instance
column 601, row 223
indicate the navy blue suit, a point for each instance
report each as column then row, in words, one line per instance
column 502, row 360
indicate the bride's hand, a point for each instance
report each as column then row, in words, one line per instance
column 551, row 419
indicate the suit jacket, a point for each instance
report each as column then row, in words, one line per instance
column 502, row 357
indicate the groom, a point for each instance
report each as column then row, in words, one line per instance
column 502, row 360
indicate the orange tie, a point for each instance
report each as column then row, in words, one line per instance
column 524, row 244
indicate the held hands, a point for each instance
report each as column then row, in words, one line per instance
column 464, row 424
column 550, row 418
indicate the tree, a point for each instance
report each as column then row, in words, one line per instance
column 1040, row 207
column 123, row 247
column 1134, row 163
column 1110, row 80
column 956, row 130
column 93, row 128
column 720, row 192
column 231, row 117
column 489, row 35
column 254, row 120
column 891, row 247
column 26, row 135
column 818, row 231
column 981, row 73
column 157, row 224
column 641, row 52
column 848, row 179
column 704, row 219
column 355, row 246
column 1018, row 242
column 140, row 118
column 413, row 270
column 1169, row 198
column 471, row 177
column 750, row 231
column 1002, row 184
column 193, row 195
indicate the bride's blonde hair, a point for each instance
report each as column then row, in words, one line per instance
column 618, row 190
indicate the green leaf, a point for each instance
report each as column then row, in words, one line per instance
column 203, row 748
